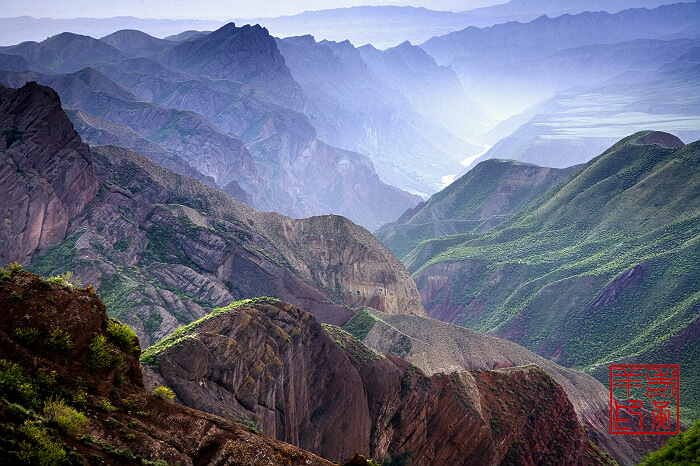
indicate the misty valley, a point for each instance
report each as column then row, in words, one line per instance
column 364, row 235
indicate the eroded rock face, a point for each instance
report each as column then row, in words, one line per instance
column 164, row 250
column 337, row 254
column 273, row 364
column 46, row 172
column 323, row 390
column 437, row 347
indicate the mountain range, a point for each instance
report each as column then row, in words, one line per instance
column 354, row 106
column 308, row 97
column 119, row 215
column 231, row 120
column 513, row 65
column 212, row 190
column 162, row 249
column 573, row 85
column 397, row 24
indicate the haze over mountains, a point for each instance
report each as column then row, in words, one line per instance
column 530, row 171
column 247, row 133
column 382, row 26
column 396, row 105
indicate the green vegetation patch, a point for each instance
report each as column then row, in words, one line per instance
column 67, row 419
column 681, row 450
column 164, row 246
column 163, row 393
column 26, row 336
column 122, row 335
column 33, row 415
column 115, row 291
column 361, row 323
column 41, row 447
column 102, row 353
column 153, row 322
column 58, row 340
column 181, row 334
column 352, row 345
column 59, row 258
column 123, row 244
column 15, row 387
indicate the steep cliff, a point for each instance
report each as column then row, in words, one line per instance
column 325, row 391
column 72, row 391
column 334, row 253
column 246, row 54
column 47, row 175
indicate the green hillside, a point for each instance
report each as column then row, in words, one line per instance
column 599, row 269
column 482, row 198
column 681, row 450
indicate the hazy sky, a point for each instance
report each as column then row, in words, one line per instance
column 206, row 9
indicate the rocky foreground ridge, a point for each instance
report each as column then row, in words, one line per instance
column 58, row 347
column 318, row 387
column 164, row 249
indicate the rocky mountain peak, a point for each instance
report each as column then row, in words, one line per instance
column 246, row 54
column 306, row 40
column 662, row 138
column 319, row 388
column 46, row 172
column 133, row 42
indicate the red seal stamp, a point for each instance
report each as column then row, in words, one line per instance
column 644, row 399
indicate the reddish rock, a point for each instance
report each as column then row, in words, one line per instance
column 327, row 392
column 171, row 248
column 149, row 428
column 46, row 172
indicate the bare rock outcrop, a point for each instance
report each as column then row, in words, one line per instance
column 46, row 172
column 340, row 256
column 319, row 388
column 437, row 347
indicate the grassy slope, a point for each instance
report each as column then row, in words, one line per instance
column 483, row 197
column 681, row 450
column 540, row 272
